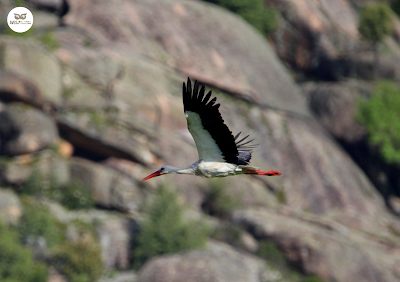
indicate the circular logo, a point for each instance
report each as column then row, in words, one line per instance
column 20, row 19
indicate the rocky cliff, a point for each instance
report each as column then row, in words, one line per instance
column 98, row 101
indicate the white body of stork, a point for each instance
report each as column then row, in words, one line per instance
column 220, row 154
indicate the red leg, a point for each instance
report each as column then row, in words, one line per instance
column 260, row 172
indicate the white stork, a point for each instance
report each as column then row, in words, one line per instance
column 220, row 154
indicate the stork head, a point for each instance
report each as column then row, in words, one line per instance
column 164, row 170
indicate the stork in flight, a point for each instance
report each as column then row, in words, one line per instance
column 220, row 154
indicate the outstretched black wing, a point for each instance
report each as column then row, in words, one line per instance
column 214, row 140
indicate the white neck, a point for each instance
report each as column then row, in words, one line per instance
column 189, row 170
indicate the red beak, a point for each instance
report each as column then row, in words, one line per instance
column 157, row 173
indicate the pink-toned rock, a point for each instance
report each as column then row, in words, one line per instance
column 335, row 107
column 25, row 130
column 110, row 189
column 316, row 174
column 218, row 263
column 133, row 110
column 30, row 60
column 323, row 247
column 55, row 276
column 114, row 239
column 171, row 26
column 14, row 87
column 311, row 30
column 10, row 207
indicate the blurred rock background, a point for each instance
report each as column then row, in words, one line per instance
column 90, row 103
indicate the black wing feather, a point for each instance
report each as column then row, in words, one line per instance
column 211, row 119
column 201, row 94
column 194, row 101
column 213, row 100
column 208, row 96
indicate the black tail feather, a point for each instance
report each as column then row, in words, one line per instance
column 237, row 135
column 244, row 157
column 244, row 149
column 242, row 139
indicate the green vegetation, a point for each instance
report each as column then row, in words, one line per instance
column 19, row 3
column 263, row 18
column 37, row 221
column 165, row 231
column 271, row 253
column 73, row 195
column 312, row 278
column 281, row 195
column 49, row 40
column 393, row 230
column 79, row 261
column 4, row 160
column 85, row 228
column 375, row 22
column 6, row 30
column 98, row 119
column 381, row 117
column 217, row 202
column 396, row 6
column 2, row 56
column 16, row 260
column 34, row 185
column 89, row 42
column 229, row 233
column 68, row 93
